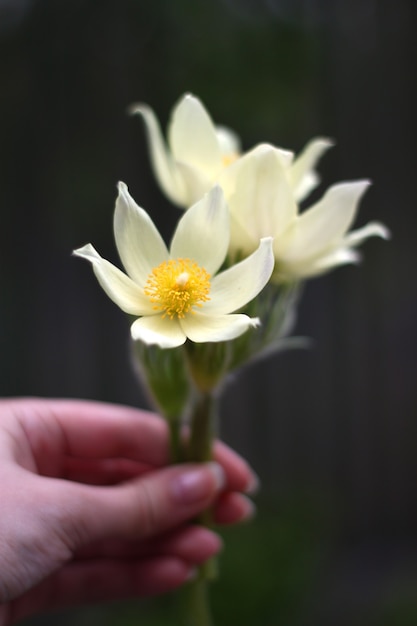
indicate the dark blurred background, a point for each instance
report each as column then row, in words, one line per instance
column 331, row 430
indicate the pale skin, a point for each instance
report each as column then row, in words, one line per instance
column 92, row 511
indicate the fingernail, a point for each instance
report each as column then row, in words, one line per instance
column 253, row 485
column 218, row 473
column 248, row 509
column 196, row 484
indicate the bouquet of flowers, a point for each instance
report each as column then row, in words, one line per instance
column 225, row 291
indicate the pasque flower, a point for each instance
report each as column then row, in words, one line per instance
column 178, row 293
column 263, row 203
column 197, row 153
column 188, row 165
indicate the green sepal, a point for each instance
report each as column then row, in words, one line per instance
column 276, row 307
column 210, row 363
column 165, row 376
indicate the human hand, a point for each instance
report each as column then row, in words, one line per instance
column 91, row 511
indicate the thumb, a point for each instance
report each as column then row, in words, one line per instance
column 141, row 508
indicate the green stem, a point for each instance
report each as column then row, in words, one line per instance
column 176, row 453
column 202, row 428
column 197, row 607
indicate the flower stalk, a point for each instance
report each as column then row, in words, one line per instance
column 202, row 428
column 199, row 449
column 183, row 388
column 196, row 604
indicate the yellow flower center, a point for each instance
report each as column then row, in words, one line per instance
column 176, row 286
column 228, row 159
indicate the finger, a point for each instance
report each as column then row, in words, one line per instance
column 90, row 430
column 104, row 580
column 240, row 476
column 102, row 471
column 145, row 507
column 194, row 544
column 190, row 543
column 232, row 508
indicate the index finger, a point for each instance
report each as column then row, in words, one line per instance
column 84, row 429
column 87, row 429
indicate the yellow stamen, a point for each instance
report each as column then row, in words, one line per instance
column 177, row 285
column 228, row 159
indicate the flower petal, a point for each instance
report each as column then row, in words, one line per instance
column 163, row 164
column 313, row 267
column 321, row 226
column 192, row 136
column 239, row 284
column 263, row 203
column 302, row 175
column 196, row 183
column 202, row 234
column 241, row 239
column 140, row 246
column 373, row 229
column 155, row 329
column 119, row 287
column 228, row 141
column 201, row 328
column 229, row 175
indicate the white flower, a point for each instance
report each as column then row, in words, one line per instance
column 263, row 203
column 301, row 174
column 177, row 294
column 196, row 153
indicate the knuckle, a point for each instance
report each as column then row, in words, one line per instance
column 148, row 510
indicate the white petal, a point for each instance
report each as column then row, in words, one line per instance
column 158, row 330
column 228, row 141
column 263, row 202
column 162, row 161
column 314, row 267
column 202, row 233
column 227, row 178
column 140, row 246
column 196, row 183
column 286, row 157
column 373, row 229
column 302, row 175
column 242, row 241
column 321, row 226
column 192, row 136
column 201, row 328
column 239, row 284
column 119, row 287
